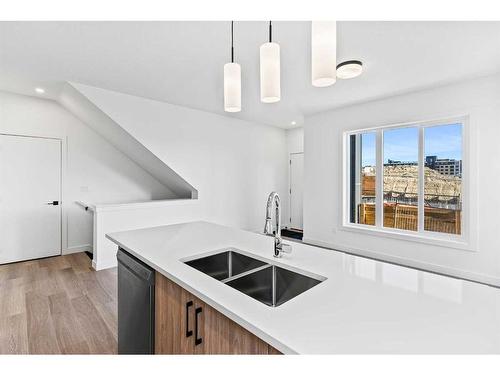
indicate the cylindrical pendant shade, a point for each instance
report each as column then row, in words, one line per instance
column 270, row 85
column 232, row 87
column 324, row 53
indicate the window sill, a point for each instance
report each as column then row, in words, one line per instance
column 436, row 239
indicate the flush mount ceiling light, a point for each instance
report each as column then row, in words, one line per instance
column 270, row 85
column 349, row 69
column 39, row 90
column 323, row 53
column 232, row 82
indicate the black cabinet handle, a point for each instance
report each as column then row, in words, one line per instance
column 188, row 331
column 54, row 203
column 197, row 340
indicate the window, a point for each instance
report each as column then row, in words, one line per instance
column 363, row 178
column 443, row 178
column 401, row 178
column 406, row 179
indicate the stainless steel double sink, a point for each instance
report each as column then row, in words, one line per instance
column 267, row 283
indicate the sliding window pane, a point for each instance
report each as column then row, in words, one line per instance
column 443, row 178
column 362, row 178
column 401, row 178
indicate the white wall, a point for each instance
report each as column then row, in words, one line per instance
column 480, row 99
column 76, row 103
column 117, row 218
column 295, row 140
column 93, row 170
column 233, row 164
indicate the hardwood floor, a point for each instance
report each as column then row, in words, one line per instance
column 58, row 305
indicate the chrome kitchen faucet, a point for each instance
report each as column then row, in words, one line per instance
column 279, row 246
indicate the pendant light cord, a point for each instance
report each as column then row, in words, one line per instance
column 232, row 39
column 270, row 32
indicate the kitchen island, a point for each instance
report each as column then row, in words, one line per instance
column 360, row 305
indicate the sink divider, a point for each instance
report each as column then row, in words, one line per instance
column 253, row 270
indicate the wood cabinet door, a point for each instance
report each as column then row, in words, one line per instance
column 220, row 335
column 184, row 324
column 173, row 318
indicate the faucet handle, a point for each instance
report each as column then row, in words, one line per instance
column 285, row 248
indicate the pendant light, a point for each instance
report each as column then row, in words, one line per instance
column 232, row 82
column 323, row 53
column 270, row 86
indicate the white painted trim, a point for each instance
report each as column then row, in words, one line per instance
column 77, row 249
column 344, row 179
column 379, row 181
column 433, row 122
column 86, row 206
column 104, row 265
column 101, row 207
column 136, row 205
column 421, row 181
column 431, row 238
column 29, row 136
column 289, row 221
column 464, row 241
column 64, row 206
column 407, row 262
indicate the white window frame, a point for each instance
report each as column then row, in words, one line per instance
column 460, row 242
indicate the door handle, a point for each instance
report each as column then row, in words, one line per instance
column 54, row 203
column 188, row 331
column 197, row 340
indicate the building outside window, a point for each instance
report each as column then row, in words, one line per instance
column 406, row 179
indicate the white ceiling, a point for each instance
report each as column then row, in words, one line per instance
column 182, row 62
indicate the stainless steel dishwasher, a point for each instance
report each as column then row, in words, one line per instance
column 135, row 305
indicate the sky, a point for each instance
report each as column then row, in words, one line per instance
column 445, row 141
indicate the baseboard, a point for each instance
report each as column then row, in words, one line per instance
column 102, row 266
column 411, row 263
column 77, row 249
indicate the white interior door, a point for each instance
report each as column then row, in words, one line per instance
column 30, row 184
column 296, row 189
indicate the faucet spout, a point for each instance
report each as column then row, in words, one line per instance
column 268, row 228
column 279, row 247
column 273, row 198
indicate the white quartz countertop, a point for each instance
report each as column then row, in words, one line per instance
column 363, row 306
